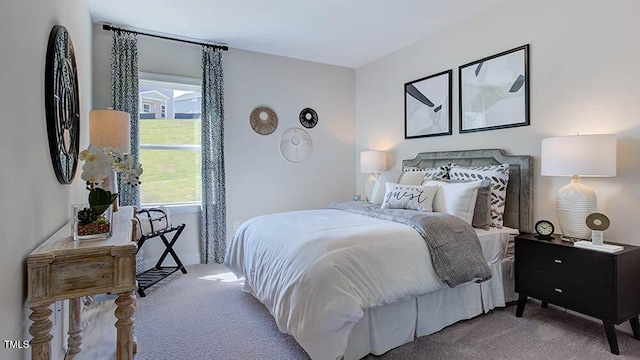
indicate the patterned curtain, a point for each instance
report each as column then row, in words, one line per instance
column 214, row 205
column 124, row 97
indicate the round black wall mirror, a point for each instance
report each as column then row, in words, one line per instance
column 62, row 104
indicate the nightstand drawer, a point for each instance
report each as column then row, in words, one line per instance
column 589, row 266
column 588, row 298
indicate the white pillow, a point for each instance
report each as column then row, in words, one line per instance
column 377, row 193
column 412, row 177
column 457, row 199
column 411, row 197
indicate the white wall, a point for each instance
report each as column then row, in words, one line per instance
column 34, row 205
column 584, row 74
column 259, row 180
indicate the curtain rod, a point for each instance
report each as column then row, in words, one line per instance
column 111, row 27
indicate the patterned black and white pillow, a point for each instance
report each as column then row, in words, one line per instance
column 433, row 173
column 499, row 177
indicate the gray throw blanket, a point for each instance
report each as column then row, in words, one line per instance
column 454, row 246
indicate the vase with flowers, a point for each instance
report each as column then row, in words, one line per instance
column 93, row 219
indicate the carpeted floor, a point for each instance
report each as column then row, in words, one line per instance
column 204, row 315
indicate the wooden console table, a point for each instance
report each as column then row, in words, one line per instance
column 61, row 268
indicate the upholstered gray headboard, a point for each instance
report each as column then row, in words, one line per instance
column 518, row 212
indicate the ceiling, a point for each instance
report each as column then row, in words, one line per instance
column 347, row 33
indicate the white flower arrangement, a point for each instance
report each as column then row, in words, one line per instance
column 100, row 163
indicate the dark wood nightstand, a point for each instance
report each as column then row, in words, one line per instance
column 599, row 284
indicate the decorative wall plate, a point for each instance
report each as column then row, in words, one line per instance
column 308, row 118
column 263, row 120
column 62, row 104
column 295, row 145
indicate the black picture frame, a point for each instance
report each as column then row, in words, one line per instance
column 427, row 106
column 494, row 91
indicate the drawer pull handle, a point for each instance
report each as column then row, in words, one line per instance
column 558, row 261
column 558, row 290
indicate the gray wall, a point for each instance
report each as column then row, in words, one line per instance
column 259, row 180
column 34, row 205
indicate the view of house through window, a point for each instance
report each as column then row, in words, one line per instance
column 170, row 141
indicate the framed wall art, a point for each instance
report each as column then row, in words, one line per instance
column 427, row 106
column 494, row 91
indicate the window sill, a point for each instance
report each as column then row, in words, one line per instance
column 178, row 208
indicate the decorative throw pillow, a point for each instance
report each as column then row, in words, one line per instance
column 377, row 193
column 457, row 199
column 482, row 210
column 412, row 177
column 499, row 177
column 412, row 168
column 434, row 173
column 411, row 197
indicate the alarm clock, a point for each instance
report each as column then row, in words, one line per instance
column 545, row 229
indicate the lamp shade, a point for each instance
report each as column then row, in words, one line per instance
column 373, row 161
column 110, row 128
column 582, row 155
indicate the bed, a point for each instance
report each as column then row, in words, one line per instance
column 347, row 285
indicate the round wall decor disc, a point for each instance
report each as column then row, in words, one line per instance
column 598, row 222
column 308, row 118
column 263, row 120
column 295, row 145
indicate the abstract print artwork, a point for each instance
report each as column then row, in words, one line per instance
column 427, row 106
column 494, row 91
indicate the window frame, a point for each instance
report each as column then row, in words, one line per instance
column 176, row 83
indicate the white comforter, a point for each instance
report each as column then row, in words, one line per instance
column 316, row 270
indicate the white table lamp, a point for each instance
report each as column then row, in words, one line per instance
column 372, row 162
column 110, row 129
column 579, row 155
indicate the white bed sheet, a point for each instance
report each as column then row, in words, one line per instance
column 366, row 263
column 496, row 243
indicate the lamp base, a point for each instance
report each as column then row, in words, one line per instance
column 573, row 204
column 111, row 184
column 368, row 186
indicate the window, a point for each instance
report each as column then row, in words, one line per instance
column 146, row 108
column 170, row 140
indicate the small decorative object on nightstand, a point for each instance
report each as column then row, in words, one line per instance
column 598, row 223
column 599, row 284
column 545, row 229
